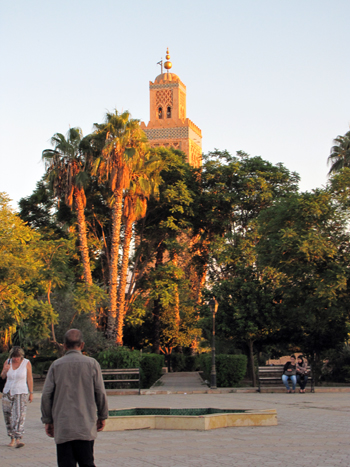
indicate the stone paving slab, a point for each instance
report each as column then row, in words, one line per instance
column 313, row 431
column 182, row 381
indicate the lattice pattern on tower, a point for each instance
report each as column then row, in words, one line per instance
column 164, row 98
column 167, row 133
column 165, row 85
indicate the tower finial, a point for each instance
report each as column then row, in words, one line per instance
column 167, row 64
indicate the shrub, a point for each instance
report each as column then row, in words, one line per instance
column 178, row 362
column 336, row 366
column 3, row 357
column 181, row 362
column 119, row 357
column 41, row 367
column 192, row 363
column 151, row 369
column 230, row 369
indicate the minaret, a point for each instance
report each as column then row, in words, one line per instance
column 168, row 125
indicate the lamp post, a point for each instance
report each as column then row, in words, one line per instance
column 213, row 304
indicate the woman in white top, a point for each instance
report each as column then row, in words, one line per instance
column 18, row 371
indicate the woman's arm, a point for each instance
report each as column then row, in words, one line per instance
column 30, row 381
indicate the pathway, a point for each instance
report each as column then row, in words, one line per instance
column 184, row 381
column 313, row 431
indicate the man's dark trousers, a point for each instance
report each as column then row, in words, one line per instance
column 73, row 452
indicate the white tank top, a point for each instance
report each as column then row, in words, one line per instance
column 16, row 382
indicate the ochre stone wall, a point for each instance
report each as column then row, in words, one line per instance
column 168, row 125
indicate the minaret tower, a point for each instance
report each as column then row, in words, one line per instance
column 168, row 125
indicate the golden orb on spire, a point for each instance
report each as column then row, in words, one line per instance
column 167, row 64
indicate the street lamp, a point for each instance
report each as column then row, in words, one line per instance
column 213, row 304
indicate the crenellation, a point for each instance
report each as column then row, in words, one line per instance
column 194, row 127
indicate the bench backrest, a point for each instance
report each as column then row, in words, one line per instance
column 121, row 371
column 276, row 369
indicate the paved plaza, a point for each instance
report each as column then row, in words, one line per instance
column 313, row 430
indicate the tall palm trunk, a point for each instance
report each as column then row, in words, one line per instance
column 113, row 271
column 83, row 244
column 122, row 280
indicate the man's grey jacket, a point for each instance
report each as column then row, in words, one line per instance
column 74, row 397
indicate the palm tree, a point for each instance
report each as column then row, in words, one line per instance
column 124, row 143
column 340, row 153
column 66, row 169
column 144, row 182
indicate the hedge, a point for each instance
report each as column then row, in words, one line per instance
column 119, row 357
column 230, row 369
column 151, row 369
column 181, row 362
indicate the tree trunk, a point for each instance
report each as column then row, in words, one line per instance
column 113, row 271
column 201, row 284
column 122, row 280
column 177, row 297
column 138, row 242
column 83, row 244
column 157, row 306
column 252, row 365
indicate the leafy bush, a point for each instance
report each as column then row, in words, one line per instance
column 151, row 369
column 40, row 368
column 181, row 362
column 118, row 357
column 178, row 362
column 192, row 363
column 230, row 369
column 121, row 357
column 336, row 366
column 3, row 357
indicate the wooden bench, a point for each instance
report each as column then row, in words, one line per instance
column 122, row 376
column 270, row 377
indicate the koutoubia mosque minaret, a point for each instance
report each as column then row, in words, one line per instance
column 168, row 125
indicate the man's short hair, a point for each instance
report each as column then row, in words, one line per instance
column 73, row 338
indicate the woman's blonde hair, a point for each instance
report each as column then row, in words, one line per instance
column 16, row 352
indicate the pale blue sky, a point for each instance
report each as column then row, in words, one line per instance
column 270, row 77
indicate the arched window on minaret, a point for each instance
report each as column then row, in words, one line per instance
column 168, row 112
column 160, row 112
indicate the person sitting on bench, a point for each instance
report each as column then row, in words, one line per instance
column 301, row 373
column 289, row 371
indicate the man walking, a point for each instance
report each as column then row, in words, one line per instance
column 72, row 394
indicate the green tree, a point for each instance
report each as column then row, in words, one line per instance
column 305, row 238
column 67, row 170
column 340, row 153
column 124, row 142
column 163, row 241
column 235, row 190
column 144, row 183
column 55, row 272
column 249, row 313
column 19, row 269
column 38, row 210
